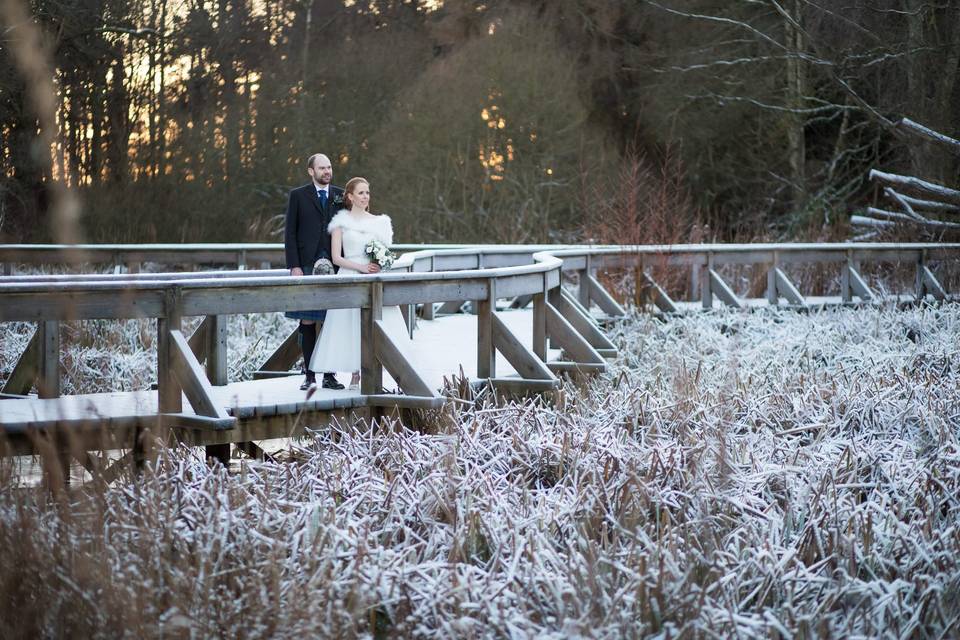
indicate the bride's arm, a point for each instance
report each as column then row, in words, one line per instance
column 336, row 248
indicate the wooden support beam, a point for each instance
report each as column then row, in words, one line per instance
column 723, row 291
column 198, row 340
column 706, row 289
column 785, row 288
column 517, row 386
column 451, row 306
column 284, row 357
column 583, row 290
column 930, row 284
column 521, row 302
column 585, row 325
column 254, row 451
column 392, row 358
column 48, row 376
column 575, row 367
column 604, row 300
column 216, row 350
column 857, row 284
column 192, row 378
column 371, row 371
column 569, row 339
column 486, row 355
column 395, row 401
column 659, row 297
column 24, row 373
column 540, row 326
column 195, row 422
column 428, row 311
column 169, row 392
column 772, row 296
column 524, row 361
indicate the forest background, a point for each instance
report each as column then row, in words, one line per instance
column 502, row 121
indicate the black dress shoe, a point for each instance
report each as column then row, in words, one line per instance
column 330, row 382
column 308, row 381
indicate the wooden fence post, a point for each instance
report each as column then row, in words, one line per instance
column 706, row 290
column 845, row 291
column 583, row 291
column 486, row 355
column 371, row 371
column 918, row 284
column 216, row 350
column 168, row 389
column 772, row 296
column 540, row 322
column 48, row 380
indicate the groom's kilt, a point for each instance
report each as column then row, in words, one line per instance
column 316, row 316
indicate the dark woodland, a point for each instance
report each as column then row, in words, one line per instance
column 501, row 121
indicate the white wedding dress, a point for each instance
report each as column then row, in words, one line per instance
column 338, row 346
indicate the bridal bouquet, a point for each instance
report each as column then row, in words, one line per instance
column 379, row 253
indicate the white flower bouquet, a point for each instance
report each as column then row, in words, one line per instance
column 379, row 253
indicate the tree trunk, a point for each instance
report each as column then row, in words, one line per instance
column 796, row 142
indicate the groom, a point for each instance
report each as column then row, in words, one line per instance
column 306, row 240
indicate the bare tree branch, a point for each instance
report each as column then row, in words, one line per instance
column 908, row 125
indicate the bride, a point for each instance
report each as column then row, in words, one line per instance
column 338, row 346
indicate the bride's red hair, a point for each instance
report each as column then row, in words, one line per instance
column 349, row 188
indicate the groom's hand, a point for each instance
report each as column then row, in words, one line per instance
column 296, row 271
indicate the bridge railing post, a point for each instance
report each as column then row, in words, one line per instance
column 409, row 312
column 846, row 294
column 216, row 350
column 772, row 295
column 169, row 392
column 371, row 371
column 48, row 378
column 706, row 288
column 540, row 321
column 918, row 289
column 583, row 291
column 486, row 355
column 695, row 282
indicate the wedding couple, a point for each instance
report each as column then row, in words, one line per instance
column 325, row 222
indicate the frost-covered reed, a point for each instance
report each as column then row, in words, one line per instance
column 754, row 474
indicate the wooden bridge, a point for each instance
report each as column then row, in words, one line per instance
column 537, row 313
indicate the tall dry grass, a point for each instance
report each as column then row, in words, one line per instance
column 643, row 203
column 768, row 474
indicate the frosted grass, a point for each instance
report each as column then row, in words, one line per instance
column 755, row 474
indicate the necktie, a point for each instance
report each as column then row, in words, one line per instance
column 322, row 195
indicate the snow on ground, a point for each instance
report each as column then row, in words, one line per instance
column 756, row 473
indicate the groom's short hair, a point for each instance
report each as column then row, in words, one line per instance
column 313, row 159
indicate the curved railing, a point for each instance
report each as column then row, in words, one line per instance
column 421, row 276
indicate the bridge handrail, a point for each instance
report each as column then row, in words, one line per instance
column 446, row 274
